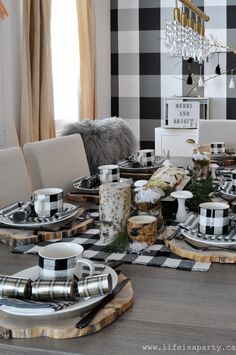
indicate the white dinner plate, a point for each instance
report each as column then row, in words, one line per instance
column 76, row 309
column 146, row 169
column 47, row 223
column 227, row 194
column 93, row 190
column 218, row 156
column 215, row 241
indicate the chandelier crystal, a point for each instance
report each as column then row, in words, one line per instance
column 186, row 38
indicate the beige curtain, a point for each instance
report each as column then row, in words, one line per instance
column 37, row 113
column 86, row 25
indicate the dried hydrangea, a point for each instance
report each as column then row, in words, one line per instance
column 137, row 247
column 149, row 195
column 200, row 156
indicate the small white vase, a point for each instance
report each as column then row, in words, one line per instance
column 213, row 170
column 181, row 196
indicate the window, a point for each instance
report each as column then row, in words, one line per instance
column 65, row 61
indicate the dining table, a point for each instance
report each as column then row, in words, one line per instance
column 172, row 308
column 174, row 312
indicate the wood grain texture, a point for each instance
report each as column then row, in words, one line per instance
column 171, row 307
column 16, row 237
column 179, row 247
column 142, row 229
column 79, row 198
column 18, row 327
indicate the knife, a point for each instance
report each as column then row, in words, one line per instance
column 84, row 322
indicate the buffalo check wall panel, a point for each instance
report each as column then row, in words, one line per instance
column 143, row 72
column 136, row 62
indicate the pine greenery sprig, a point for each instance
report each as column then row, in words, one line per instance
column 119, row 244
column 200, row 190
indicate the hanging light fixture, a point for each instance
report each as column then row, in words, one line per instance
column 200, row 80
column 190, row 80
column 232, row 83
column 185, row 37
column 217, row 69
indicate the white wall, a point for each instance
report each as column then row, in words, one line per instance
column 102, row 15
column 10, row 44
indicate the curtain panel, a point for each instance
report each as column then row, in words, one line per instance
column 87, row 45
column 37, row 112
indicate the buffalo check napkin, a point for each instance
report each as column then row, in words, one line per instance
column 156, row 255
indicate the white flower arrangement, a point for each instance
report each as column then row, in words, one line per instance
column 149, row 196
column 200, row 156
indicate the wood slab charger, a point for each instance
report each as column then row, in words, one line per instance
column 77, row 197
column 20, row 327
column 16, row 237
column 179, row 247
column 135, row 176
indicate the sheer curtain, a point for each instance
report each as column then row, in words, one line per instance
column 37, row 116
column 87, row 41
column 65, row 61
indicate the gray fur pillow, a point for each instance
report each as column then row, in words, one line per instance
column 106, row 141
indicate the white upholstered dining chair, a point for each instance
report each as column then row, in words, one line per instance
column 217, row 131
column 56, row 162
column 14, row 179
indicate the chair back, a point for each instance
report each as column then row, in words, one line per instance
column 56, row 162
column 15, row 183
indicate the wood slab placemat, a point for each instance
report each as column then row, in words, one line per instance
column 23, row 327
column 76, row 197
column 179, row 247
column 17, row 237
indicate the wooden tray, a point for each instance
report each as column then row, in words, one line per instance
column 16, row 237
column 179, row 247
column 18, row 327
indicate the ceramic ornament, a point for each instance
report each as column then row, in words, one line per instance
column 213, row 170
column 181, row 196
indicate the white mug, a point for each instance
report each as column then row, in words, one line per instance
column 217, row 148
column 234, row 181
column 62, row 261
column 214, row 218
column 109, row 173
column 48, row 201
column 145, row 157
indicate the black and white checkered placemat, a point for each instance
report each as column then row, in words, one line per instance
column 155, row 255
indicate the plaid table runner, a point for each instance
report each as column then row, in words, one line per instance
column 156, row 255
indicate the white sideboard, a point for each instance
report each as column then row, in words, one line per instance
column 174, row 140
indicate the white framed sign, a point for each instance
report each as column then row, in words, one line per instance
column 182, row 114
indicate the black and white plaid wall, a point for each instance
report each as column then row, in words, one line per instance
column 143, row 72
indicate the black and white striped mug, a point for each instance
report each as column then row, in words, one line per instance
column 214, row 218
column 217, row 148
column 108, row 173
column 62, row 261
column 48, row 201
column 145, row 157
column 234, row 181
